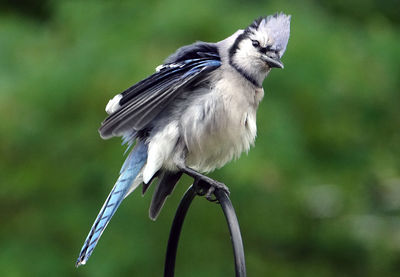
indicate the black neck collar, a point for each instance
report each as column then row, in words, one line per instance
column 232, row 52
column 244, row 74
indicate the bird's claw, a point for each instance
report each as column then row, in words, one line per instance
column 208, row 187
column 209, row 195
column 205, row 186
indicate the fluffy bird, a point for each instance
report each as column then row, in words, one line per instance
column 194, row 114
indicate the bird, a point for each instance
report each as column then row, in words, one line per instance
column 194, row 114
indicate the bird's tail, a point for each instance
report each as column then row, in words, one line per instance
column 130, row 172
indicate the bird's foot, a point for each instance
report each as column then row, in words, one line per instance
column 205, row 185
column 211, row 189
column 208, row 187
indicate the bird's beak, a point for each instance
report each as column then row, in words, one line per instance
column 272, row 61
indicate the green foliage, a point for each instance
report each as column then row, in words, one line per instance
column 319, row 195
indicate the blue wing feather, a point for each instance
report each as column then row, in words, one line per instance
column 142, row 102
column 142, row 107
column 129, row 171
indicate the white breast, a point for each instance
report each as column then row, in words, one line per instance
column 215, row 128
column 222, row 125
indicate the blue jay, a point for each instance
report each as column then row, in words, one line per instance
column 194, row 114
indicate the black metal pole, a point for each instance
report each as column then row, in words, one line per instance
column 169, row 268
column 176, row 228
column 236, row 237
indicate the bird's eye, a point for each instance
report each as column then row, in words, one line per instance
column 255, row 43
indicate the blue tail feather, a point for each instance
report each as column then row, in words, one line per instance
column 129, row 171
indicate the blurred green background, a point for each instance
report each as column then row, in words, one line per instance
column 319, row 195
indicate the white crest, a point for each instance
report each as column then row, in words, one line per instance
column 273, row 30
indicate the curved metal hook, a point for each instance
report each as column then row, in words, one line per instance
column 176, row 228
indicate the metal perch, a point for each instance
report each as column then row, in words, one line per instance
column 199, row 188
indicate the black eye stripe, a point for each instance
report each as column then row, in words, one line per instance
column 266, row 49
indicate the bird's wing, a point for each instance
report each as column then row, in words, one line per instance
column 141, row 103
column 165, row 186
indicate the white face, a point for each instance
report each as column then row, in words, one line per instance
column 262, row 45
column 249, row 57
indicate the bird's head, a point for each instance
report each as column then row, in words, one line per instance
column 261, row 45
